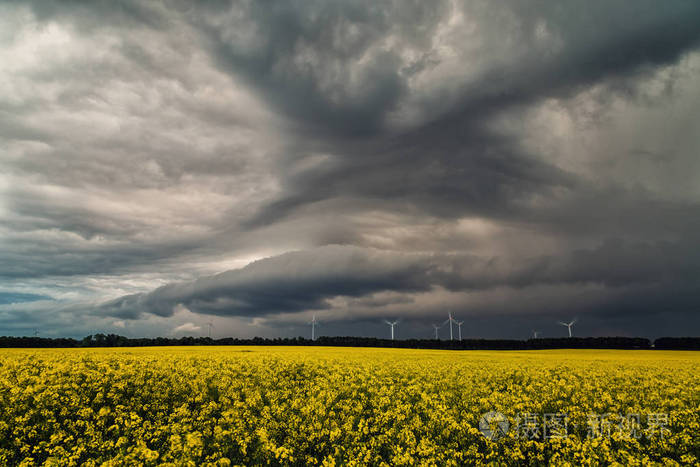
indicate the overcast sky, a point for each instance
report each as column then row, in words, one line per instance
column 251, row 164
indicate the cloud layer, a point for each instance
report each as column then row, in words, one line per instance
column 166, row 163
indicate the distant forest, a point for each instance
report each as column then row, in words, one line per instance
column 113, row 340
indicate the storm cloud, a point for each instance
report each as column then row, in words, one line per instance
column 163, row 164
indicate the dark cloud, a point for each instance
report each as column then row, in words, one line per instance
column 321, row 61
column 310, row 280
column 452, row 164
column 294, row 281
column 446, row 171
column 504, row 160
column 346, row 66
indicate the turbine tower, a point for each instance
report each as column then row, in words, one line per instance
column 436, row 327
column 535, row 334
column 459, row 328
column 568, row 325
column 450, row 320
column 210, row 324
column 392, row 324
column 313, row 324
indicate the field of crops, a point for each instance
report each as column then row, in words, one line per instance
column 306, row 406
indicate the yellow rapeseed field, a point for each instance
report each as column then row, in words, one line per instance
column 327, row 406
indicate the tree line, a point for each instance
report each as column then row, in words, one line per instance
column 114, row 340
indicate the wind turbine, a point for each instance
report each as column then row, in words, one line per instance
column 535, row 334
column 392, row 324
column 210, row 324
column 436, row 327
column 568, row 325
column 450, row 320
column 459, row 328
column 36, row 332
column 313, row 324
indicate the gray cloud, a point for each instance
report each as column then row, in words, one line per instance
column 346, row 66
column 383, row 158
column 312, row 279
column 294, row 281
